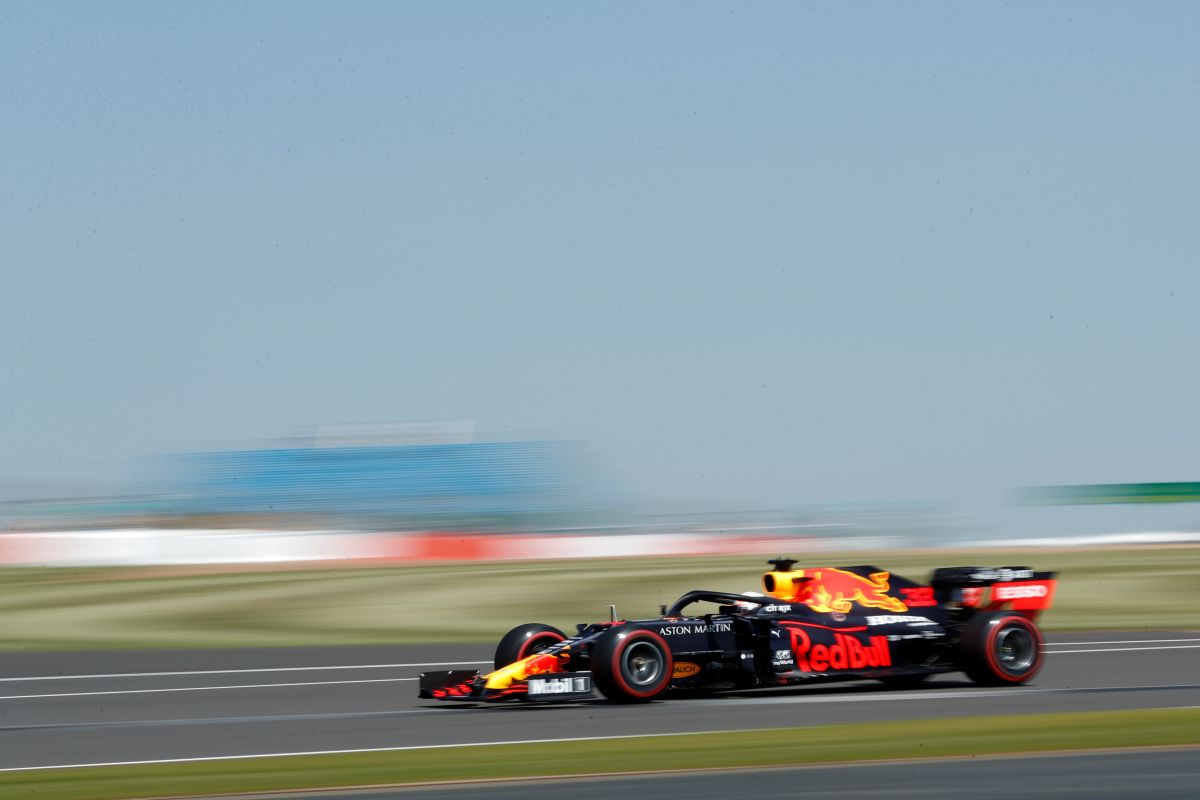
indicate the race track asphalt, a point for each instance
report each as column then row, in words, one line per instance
column 1161, row 774
column 128, row 706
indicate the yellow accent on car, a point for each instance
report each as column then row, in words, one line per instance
column 536, row 664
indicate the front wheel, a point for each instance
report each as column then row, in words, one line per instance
column 632, row 666
column 1001, row 649
column 525, row 640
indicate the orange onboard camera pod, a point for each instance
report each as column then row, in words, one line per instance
column 784, row 583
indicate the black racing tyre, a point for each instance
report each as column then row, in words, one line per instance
column 1001, row 649
column 525, row 640
column 632, row 666
column 913, row 680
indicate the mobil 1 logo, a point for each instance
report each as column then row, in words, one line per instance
column 560, row 686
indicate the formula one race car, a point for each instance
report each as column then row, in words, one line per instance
column 822, row 624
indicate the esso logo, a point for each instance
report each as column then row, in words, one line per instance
column 1021, row 592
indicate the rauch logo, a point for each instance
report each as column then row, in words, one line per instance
column 684, row 669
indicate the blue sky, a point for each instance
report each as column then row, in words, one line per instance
column 777, row 254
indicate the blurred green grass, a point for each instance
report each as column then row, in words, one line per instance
column 1115, row 589
column 960, row 737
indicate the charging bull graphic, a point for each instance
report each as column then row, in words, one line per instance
column 836, row 590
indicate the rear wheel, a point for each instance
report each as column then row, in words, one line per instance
column 632, row 666
column 1001, row 649
column 525, row 640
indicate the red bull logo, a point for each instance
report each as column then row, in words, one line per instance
column 846, row 652
column 836, row 591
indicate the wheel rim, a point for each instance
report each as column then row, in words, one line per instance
column 1015, row 650
column 536, row 644
column 642, row 664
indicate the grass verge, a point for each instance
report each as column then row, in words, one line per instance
column 43, row 609
column 969, row 736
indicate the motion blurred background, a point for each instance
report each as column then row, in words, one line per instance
column 781, row 277
column 336, row 339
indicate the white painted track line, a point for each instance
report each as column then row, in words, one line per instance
column 1195, row 642
column 1161, row 644
column 197, row 759
column 241, row 671
column 1123, row 649
column 1123, row 641
column 202, row 688
column 364, row 750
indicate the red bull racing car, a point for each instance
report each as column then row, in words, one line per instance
column 819, row 624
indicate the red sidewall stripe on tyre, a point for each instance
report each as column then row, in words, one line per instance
column 990, row 650
column 619, row 674
column 527, row 648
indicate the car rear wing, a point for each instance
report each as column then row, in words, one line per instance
column 1019, row 589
